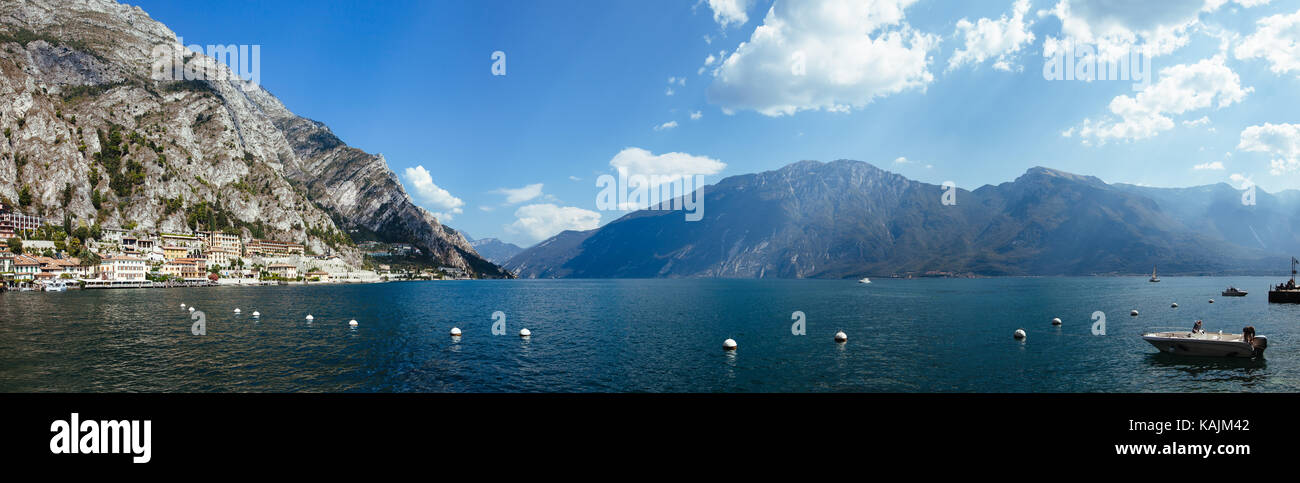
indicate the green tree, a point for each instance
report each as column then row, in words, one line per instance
column 25, row 196
column 16, row 246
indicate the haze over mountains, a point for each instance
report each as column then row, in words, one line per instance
column 850, row 219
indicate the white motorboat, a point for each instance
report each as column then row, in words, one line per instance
column 864, row 280
column 1209, row 344
column 56, row 286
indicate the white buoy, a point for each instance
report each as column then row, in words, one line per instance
column 310, row 318
column 1211, row 300
column 1056, row 321
column 525, row 333
column 455, row 331
column 1174, row 305
column 352, row 322
column 841, row 337
column 1133, row 312
column 182, row 306
column 191, row 309
column 236, row 311
column 256, row 314
column 1020, row 334
column 729, row 344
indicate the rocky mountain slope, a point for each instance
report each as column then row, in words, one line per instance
column 849, row 219
column 91, row 132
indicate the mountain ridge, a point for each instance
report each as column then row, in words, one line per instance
column 848, row 218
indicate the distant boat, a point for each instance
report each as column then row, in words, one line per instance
column 1154, row 278
column 1286, row 293
column 864, row 280
column 1233, row 292
column 1209, row 344
column 56, row 286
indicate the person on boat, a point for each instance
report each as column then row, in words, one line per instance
column 1248, row 333
column 1196, row 329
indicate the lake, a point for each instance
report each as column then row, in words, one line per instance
column 926, row 335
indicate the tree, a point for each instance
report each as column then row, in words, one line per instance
column 16, row 246
column 25, row 196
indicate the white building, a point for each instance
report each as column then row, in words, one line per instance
column 123, row 268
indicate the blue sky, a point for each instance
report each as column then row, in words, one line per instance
column 953, row 88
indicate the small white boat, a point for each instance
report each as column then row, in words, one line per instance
column 56, row 286
column 1153, row 278
column 1208, row 344
column 864, row 280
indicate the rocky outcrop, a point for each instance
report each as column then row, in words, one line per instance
column 91, row 134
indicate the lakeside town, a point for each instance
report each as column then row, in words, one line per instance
column 39, row 254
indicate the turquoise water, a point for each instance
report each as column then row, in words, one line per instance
column 932, row 335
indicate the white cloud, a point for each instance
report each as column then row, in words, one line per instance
column 667, row 166
column 1204, row 120
column 1277, row 40
column 902, row 160
column 728, row 12
column 669, row 91
column 574, row 178
column 520, row 195
column 1117, row 28
column 1215, row 166
column 834, row 55
column 540, row 221
column 1182, row 88
column 1281, row 141
column 666, row 126
column 999, row 40
column 439, row 201
column 696, row 115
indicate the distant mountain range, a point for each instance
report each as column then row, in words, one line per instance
column 850, row 219
column 494, row 250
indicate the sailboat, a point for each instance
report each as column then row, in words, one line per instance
column 1154, row 278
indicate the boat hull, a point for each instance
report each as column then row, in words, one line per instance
column 1207, row 345
column 1284, row 296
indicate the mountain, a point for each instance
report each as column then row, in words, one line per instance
column 91, row 131
column 849, row 219
column 1272, row 224
column 494, row 250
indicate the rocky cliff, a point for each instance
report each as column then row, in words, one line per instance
column 91, row 131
